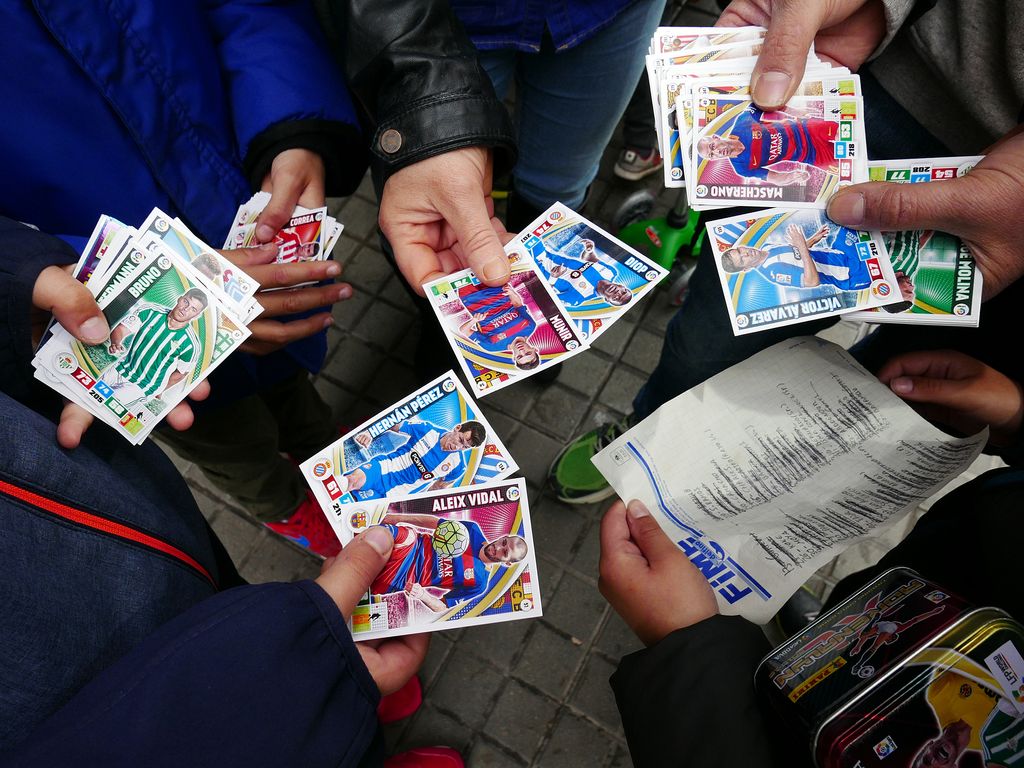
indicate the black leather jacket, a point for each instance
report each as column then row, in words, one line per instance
column 414, row 71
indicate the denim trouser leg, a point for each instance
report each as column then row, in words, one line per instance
column 569, row 101
column 699, row 341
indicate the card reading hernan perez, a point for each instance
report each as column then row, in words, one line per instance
column 461, row 558
column 435, row 438
column 594, row 276
column 503, row 334
column 780, row 267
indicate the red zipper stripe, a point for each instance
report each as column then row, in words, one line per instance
column 98, row 523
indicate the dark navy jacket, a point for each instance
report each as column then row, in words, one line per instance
column 521, row 25
column 105, row 554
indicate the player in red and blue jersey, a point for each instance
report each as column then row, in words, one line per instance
column 753, row 143
column 499, row 322
column 800, row 265
column 416, row 568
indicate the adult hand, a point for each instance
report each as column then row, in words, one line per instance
column 647, row 579
column 982, row 208
column 59, row 294
column 296, row 177
column 957, row 390
column 269, row 335
column 845, row 32
column 439, row 217
column 391, row 662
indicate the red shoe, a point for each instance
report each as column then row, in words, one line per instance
column 402, row 702
column 426, row 757
column 308, row 527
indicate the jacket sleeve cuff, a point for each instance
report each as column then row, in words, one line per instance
column 340, row 145
column 440, row 124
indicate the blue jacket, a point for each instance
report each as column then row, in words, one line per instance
column 521, row 25
column 121, row 645
column 115, row 107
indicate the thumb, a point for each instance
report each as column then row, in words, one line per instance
column 71, row 304
column 645, row 531
column 278, row 211
column 348, row 578
column 891, row 206
column 780, row 65
column 471, row 224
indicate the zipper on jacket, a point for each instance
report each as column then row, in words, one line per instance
column 99, row 523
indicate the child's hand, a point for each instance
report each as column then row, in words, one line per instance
column 957, row 390
column 647, row 579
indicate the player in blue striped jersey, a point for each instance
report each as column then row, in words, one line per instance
column 430, row 453
column 583, row 275
column 157, row 348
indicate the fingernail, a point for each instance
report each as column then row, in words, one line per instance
column 344, row 291
column 94, row 330
column 902, row 385
column 328, row 322
column 265, row 232
column 495, row 269
column 636, row 509
column 847, row 208
column 333, row 270
column 380, row 539
column 770, row 89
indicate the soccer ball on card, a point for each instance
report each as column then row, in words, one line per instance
column 450, row 538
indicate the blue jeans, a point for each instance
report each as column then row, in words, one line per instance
column 569, row 101
column 699, row 341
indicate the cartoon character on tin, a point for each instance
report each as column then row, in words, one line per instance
column 439, row 582
column 804, row 262
column 499, row 321
column 879, row 632
column 429, row 452
column 579, row 272
column 756, row 140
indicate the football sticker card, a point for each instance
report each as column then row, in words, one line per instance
column 781, row 267
column 939, row 280
column 433, row 439
column 503, row 334
column 797, row 156
column 594, row 276
column 461, row 558
column 168, row 332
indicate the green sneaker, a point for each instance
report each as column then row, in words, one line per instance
column 573, row 476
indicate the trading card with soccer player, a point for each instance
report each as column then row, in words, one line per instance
column 234, row 285
column 506, row 333
column 168, row 332
column 596, row 277
column 309, row 235
column 667, row 40
column 462, row 557
column 938, row 277
column 434, row 438
column 797, row 156
column 783, row 266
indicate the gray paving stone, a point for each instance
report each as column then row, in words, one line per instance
column 620, row 390
column 352, row 364
column 431, row 727
column 659, row 310
column 588, row 552
column 359, row 217
column 467, row 688
column 239, row 536
column 534, row 453
column 616, row 638
column 368, row 270
column 549, row 661
column 613, row 341
column 347, row 313
column 440, row 647
column 576, row 608
column 273, row 559
column 338, row 398
column 643, row 350
column 557, row 411
column 514, row 400
column 383, row 324
column 621, row 759
column 593, row 696
column 503, row 425
column 576, row 742
column 487, row 755
column 365, row 189
column 344, row 250
column 551, row 573
column 394, row 291
column 585, row 373
column 556, row 528
column 392, row 382
column 520, row 719
column 498, row 644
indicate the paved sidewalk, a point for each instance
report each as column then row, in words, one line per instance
column 525, row 693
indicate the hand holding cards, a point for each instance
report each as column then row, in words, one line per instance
column 171, row 323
